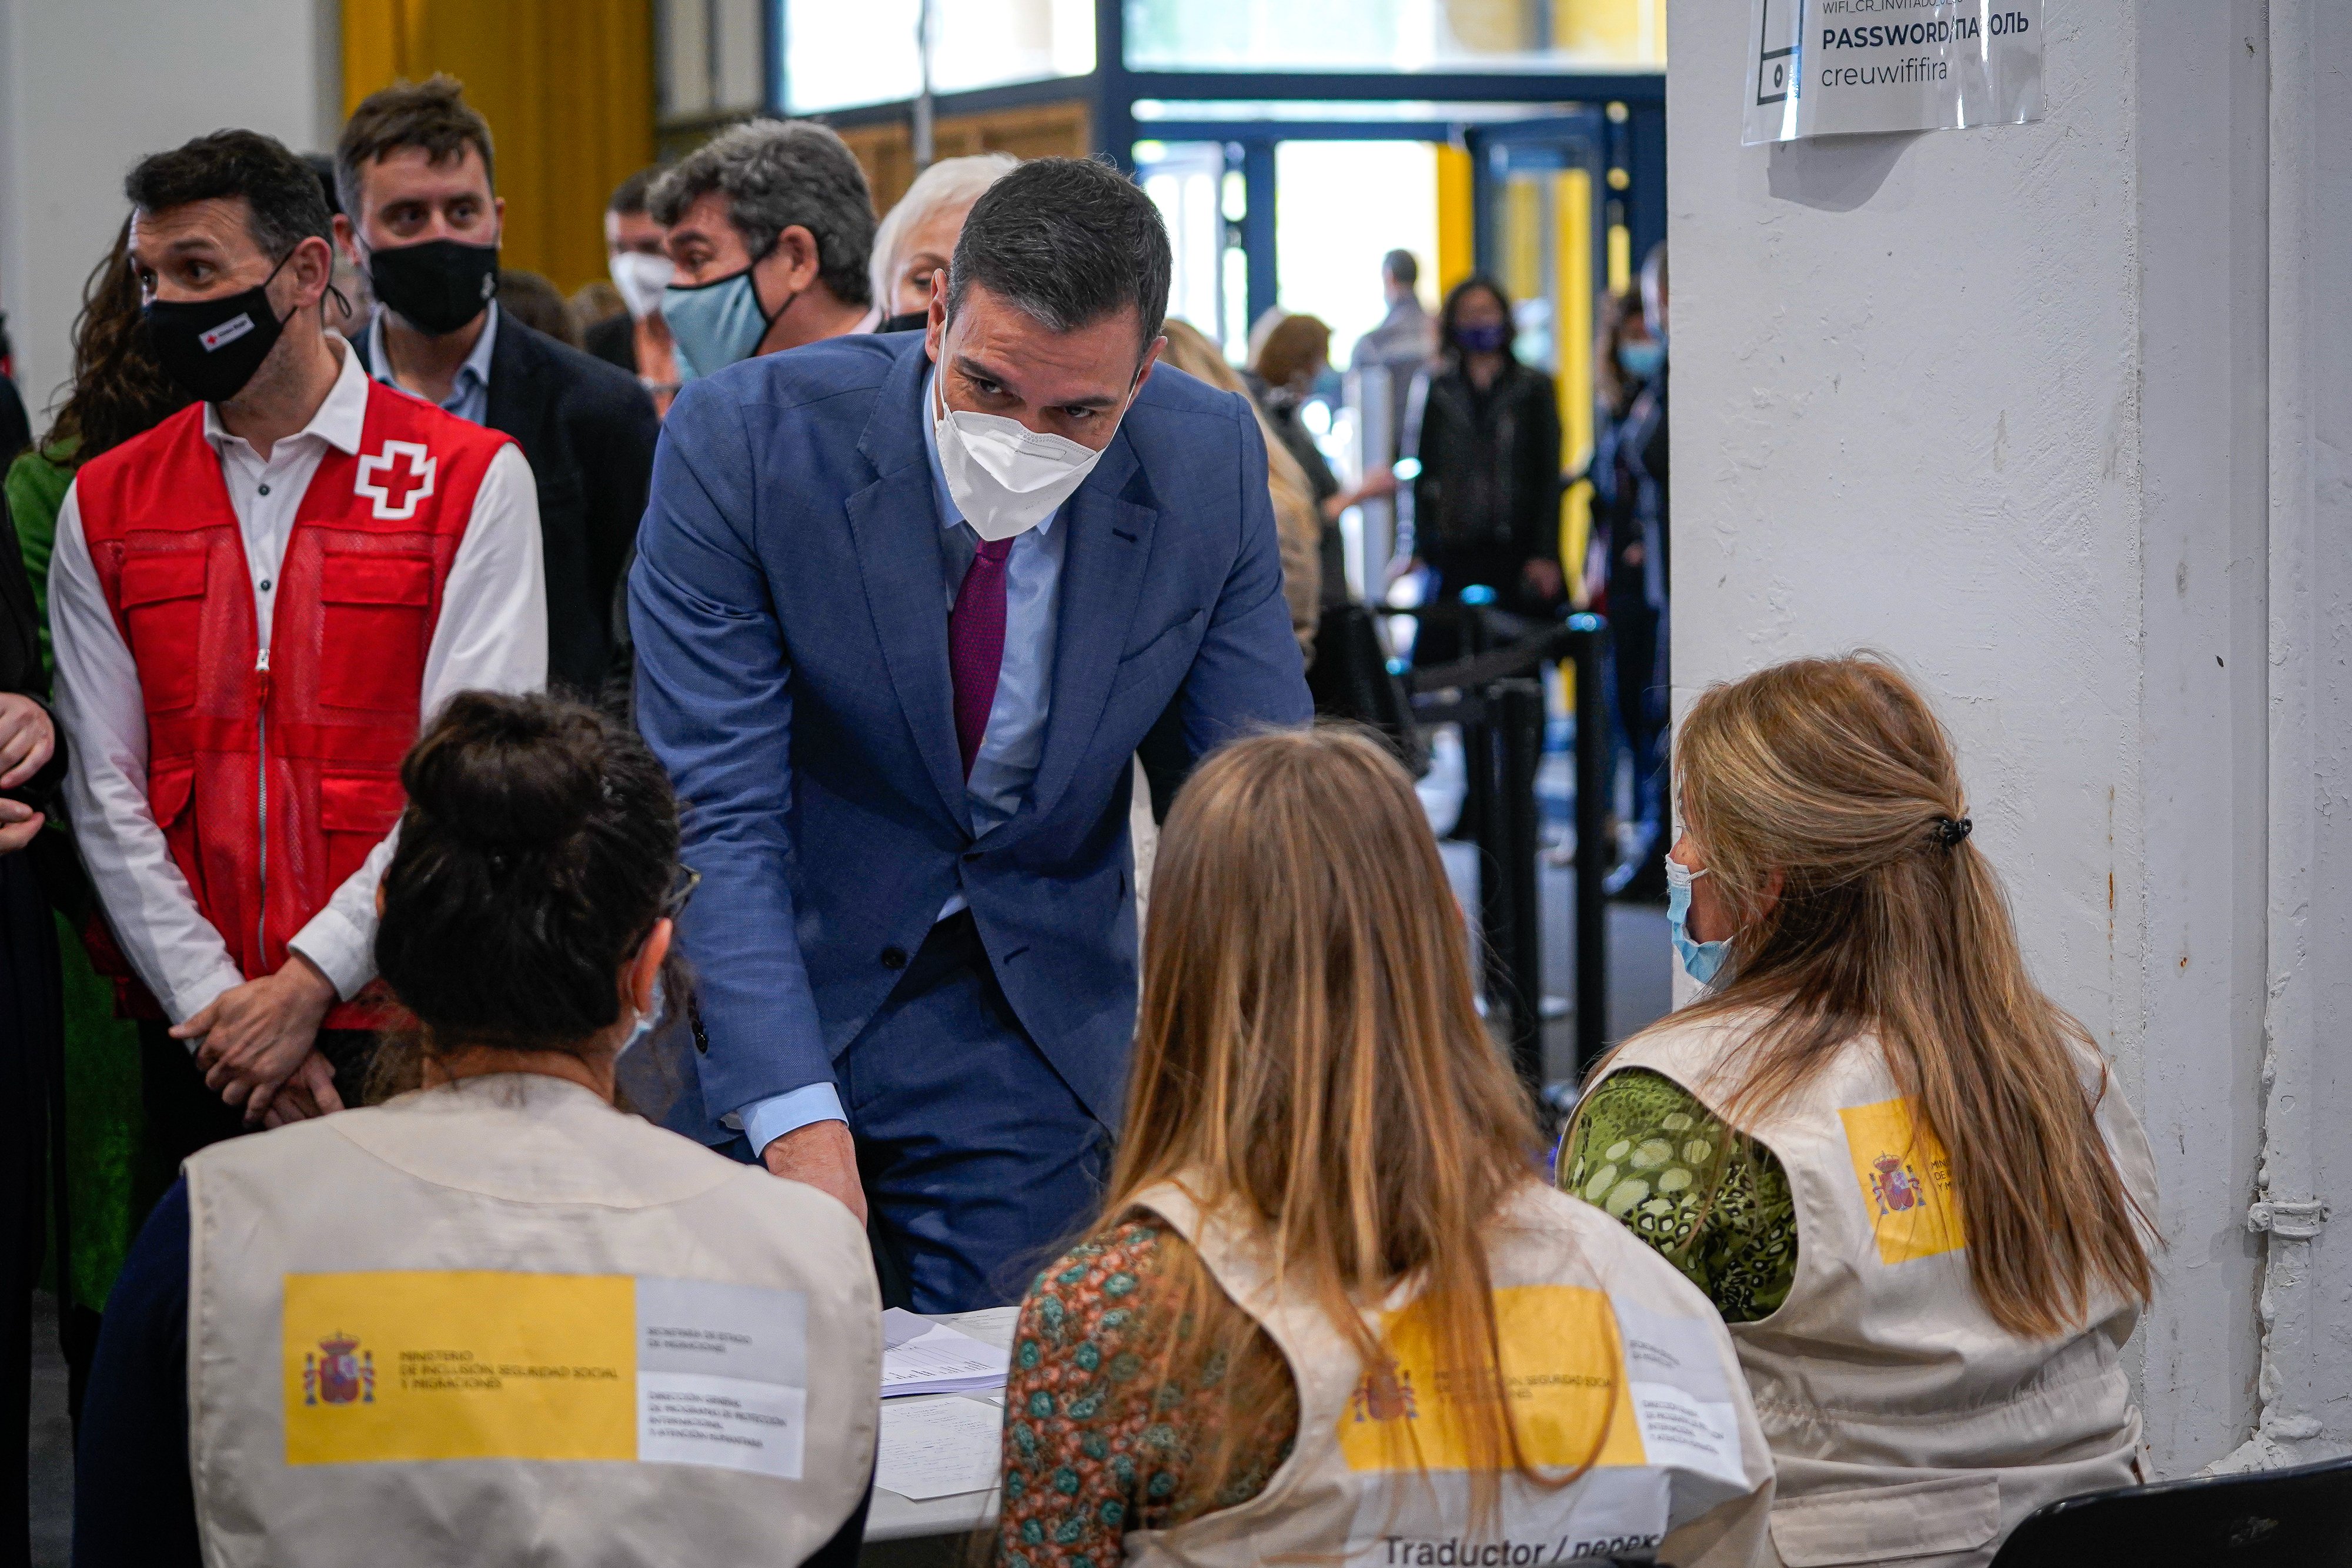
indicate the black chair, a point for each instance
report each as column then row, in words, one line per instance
column 2299, row 1518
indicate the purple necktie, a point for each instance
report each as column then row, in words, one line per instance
column 976, row 645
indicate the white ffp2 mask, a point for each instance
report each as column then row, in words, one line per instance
column 640, row 278
column 1006, row 478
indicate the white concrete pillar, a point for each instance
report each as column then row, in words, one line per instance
column 2001, row 404
column 88, row 86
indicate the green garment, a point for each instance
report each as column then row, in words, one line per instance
column 103, row 1120
column 1715, row 1204
column 36, row 486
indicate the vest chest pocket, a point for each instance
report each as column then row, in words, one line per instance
column 355, row 811
column 374, row 630
column 162, row 599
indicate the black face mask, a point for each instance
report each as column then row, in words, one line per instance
column 438, row 285
column 212, row 347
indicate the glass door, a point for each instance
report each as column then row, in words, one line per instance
column 1540, row 193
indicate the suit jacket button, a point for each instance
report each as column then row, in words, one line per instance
column 970, row 856
column 894, row 957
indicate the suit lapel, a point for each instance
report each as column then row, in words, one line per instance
column 510, row 403
column 894, row 523
column 1102, row 582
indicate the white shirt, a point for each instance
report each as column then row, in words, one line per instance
column 492, row 634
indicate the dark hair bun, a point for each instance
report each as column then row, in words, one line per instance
column 498, row 775
column 539, row 843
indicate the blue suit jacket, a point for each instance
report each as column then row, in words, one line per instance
column 788, row 606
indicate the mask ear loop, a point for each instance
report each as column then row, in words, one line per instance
column 265, row 283
column 342, row 298
column 767, row 322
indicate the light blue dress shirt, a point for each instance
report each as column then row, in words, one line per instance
column 470, row 394
column 1009, row 750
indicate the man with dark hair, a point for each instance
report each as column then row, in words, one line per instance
column 421, row 220
column 904, row 608
column 636, row 253
column 252, row 605
column 770, row 226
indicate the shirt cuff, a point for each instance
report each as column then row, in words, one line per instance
column 765, row 1121
column 344, row 954
column 190, row 1000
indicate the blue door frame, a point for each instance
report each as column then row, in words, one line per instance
column 1637, row 143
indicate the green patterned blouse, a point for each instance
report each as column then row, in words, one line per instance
column 1716, row 1206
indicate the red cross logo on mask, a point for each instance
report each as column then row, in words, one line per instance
column 395, row 494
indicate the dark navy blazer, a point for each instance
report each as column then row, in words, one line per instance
column 788, row 604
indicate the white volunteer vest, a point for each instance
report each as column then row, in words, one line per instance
column 1603, row 1345
column 1906, row 1425
column 501, row 1323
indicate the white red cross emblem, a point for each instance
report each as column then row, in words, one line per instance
column 396, row 494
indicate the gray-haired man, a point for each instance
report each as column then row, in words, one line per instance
column 771, row 227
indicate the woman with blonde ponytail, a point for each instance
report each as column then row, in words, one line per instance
column 1903, row 1173
column 1330, row 1313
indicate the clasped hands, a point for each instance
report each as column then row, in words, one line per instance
column 259, row 1045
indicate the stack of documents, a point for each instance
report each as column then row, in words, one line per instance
column 940, row 1448
column 920, row 1356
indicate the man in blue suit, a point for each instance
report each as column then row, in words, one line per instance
column 904, row 606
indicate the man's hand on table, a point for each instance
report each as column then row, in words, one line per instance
column 821, row 1155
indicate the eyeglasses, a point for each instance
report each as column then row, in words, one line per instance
column 682, row 885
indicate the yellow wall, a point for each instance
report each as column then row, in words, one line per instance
column 1456, row 240
column 886, row 153
column 567, row 87
column 1620, row 32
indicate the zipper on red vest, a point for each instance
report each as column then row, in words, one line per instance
column 261, row 804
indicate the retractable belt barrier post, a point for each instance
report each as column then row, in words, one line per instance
column 1592, row 760
column 1489, row 694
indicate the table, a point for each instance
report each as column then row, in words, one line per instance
column 895, row 1518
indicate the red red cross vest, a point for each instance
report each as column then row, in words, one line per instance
column 273, row 777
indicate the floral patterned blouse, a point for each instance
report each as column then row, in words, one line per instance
column 1093, row 1445
column 1716, row 1206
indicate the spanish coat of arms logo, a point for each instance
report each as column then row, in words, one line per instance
column 1895, row 1185
column 1385, row 1394
column 341, row 1373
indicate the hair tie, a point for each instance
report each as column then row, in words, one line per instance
column 1950, row 831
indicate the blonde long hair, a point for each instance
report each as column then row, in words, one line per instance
column 1309, row 1061
column 1833, row 777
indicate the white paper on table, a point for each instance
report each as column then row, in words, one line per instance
column 920, row 1356
column 938, row 1448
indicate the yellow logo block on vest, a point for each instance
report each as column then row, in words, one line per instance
column 444, row 1365
column 1563, row 1374
column 1906, row 1179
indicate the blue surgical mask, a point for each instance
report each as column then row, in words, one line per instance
column 1482, row 340
column 713, row 325
column 1641, row 358
column 647, row 1021
column 1702, row 960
